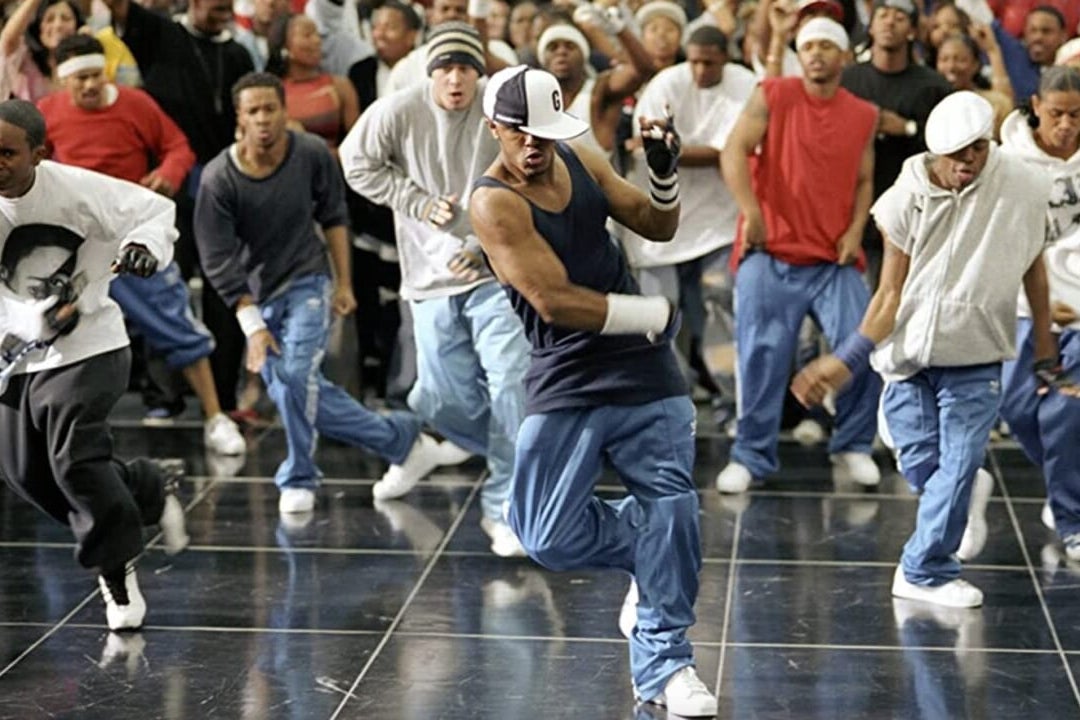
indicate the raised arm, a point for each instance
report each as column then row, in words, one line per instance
column 747, row 134
column 12, row 36
column 629, row 205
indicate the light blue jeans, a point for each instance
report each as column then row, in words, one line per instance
column 771, row 299
column 471, row 359
column 653, row 534
column 308, row 403
column 940, row 421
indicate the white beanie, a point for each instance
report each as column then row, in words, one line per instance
column 957, row 121
column 822, row 28
column 562, row 31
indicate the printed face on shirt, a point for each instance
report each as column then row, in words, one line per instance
column 523, row 154
column 260, row 117
column 454, row 86
column 17, row 160
column 1059, row 120
column 87, row 88
column 38, row 262
column 821, row 60
column 57, row 23
column 391, row 34
column 706, row 64
column 957, row 170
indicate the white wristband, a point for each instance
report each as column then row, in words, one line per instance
column 250, row 319
column 635, row 315
column 479, row 8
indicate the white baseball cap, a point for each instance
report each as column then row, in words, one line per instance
column 957, row 121
column 531, row 101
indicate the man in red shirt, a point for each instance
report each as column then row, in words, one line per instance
column 115, row 130
column 805, row 198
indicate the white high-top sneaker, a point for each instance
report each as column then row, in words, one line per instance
column 955, row 593
column 125, row 607
column 426, row 455
column 686, row 696
column 974, row 539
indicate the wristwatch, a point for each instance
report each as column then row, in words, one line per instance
column 911, row 128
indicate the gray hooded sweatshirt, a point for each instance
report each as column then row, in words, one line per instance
column 969, row 252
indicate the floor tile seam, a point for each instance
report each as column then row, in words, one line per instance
column 346, row 482
column 390, row 552
column 891, row 648
column 89, row 597
column 448, row 635
column 237, row 630
column 729, row 598
column 48, row 633
column 999, row 480
column 428, row 568
column 891, row 564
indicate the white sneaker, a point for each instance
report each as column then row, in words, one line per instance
column 685, row 695
column 1048, row 516
column 425, row 456
column 451, row 454
column 955, row 593
column 628, row 613
column 296, row 500
column 856, row 466
column 125, row 607
column 809, row 432
column 504, row 542
column 173, row 533
column 734, row 478
column 974, row 539
column 221, row 436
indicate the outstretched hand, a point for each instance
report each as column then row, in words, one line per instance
column 662, row 144
column 135, row 259
column 819, row 379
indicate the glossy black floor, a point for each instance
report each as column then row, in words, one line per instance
column 398, row 611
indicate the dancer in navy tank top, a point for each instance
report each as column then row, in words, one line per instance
column 603, row 382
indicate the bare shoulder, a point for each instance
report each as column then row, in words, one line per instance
column 498, row 209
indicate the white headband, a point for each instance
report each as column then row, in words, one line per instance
column 822, row 28
column 562, row 31
column 94, row 61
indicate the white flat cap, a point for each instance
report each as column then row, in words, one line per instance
column 957, row 121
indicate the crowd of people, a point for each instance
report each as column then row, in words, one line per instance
column 544, row 216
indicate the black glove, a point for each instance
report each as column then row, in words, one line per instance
column 1050, row 375
column 135, row 260
column 662, row 146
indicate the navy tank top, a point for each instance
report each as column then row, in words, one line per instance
column 577, row 368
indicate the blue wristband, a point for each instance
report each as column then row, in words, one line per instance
column 855, row 351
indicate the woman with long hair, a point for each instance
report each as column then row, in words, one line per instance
column 28, row 45
column 323, row 104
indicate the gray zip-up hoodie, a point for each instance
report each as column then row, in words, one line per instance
column 969, row 251
column 406, row 151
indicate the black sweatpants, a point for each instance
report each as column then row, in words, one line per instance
column 56, row 452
